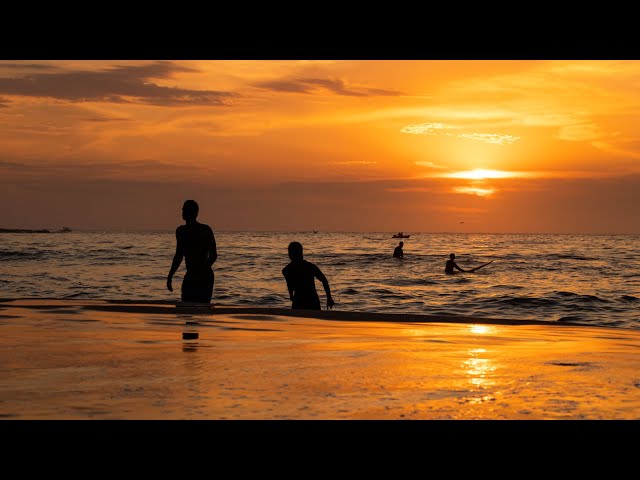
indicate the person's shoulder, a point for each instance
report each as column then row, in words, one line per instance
column 311, row 265
column 180, row 229
column 286, row 269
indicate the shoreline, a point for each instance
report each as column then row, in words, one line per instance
column 169, row 307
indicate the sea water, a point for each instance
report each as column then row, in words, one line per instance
column 592, row 279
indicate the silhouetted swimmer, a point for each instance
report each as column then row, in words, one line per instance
column 196, row 243
column 398, row 253
column 451, row 264
column 300, row 276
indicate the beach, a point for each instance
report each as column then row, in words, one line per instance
column 93, row 359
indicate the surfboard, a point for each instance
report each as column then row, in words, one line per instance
column 479, row 266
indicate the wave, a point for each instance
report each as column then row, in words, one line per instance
column 629, row 298
column 508, row 287
column 407, row 282
column 22, row 254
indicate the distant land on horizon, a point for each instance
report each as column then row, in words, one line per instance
column 28, row 230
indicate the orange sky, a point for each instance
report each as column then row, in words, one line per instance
column 502, row 146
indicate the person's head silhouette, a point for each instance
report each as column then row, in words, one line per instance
column 295, row 251
column 190, row 211
column 401, row 244
column 452, row 256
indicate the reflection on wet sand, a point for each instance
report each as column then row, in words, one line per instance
column 130, row 365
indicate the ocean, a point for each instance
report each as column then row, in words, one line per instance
column 593, row 279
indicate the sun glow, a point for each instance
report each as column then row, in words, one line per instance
column 481, row 174
column 481, row 192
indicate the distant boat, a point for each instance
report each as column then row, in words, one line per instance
column 315, row 231
column 402, row 235
column 65, row 229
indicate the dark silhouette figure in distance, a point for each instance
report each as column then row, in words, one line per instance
column 300, row 276
column 398, row 253
column 196, row 243
column 451, row 264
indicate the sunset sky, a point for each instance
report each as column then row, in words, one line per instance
column 431, row 146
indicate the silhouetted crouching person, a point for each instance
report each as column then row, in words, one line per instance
column 196, row 243
column 300, row 276
column 451, row 264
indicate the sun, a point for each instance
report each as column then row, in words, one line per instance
column 481, row 174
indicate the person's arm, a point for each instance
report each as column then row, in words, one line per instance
column 289, row 287
column 455, row 265
column 213, row 252
column 325, row 283
column 177, row 260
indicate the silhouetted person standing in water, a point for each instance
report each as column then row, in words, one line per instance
column 196, row 243
column 398, row 253
column 300, row 276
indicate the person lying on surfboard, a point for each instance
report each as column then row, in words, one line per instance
column 451, row 264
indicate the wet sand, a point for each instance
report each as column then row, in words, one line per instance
column 99, row 360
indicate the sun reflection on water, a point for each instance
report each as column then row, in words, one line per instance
column 481, row 329
column 479, row 369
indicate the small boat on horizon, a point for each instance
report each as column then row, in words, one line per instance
column 400, row 235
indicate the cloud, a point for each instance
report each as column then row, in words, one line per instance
column 481, row 192
column 408, row 189
column 429, row 165
column 107, row 119
column 429, row 129
column 580, row 133
column 311, row 85
column 444, row 129
column 496, row 138
column 120, row 84
column 354, row 162
column 136, row 171
column 3, row 102
column 609, row 148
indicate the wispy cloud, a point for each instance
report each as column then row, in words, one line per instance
column 480, row 192
column 120, row 84
column 429, row 165
column 496, row 138
column 107, row 119
column 445, row 129
column 409, row 189
column 429, row 129
column 580, row 133
column 354, row 162
column 135, row 171
column 622, row 152
column 311, row 86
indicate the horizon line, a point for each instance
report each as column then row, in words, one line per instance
column 172, row 230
